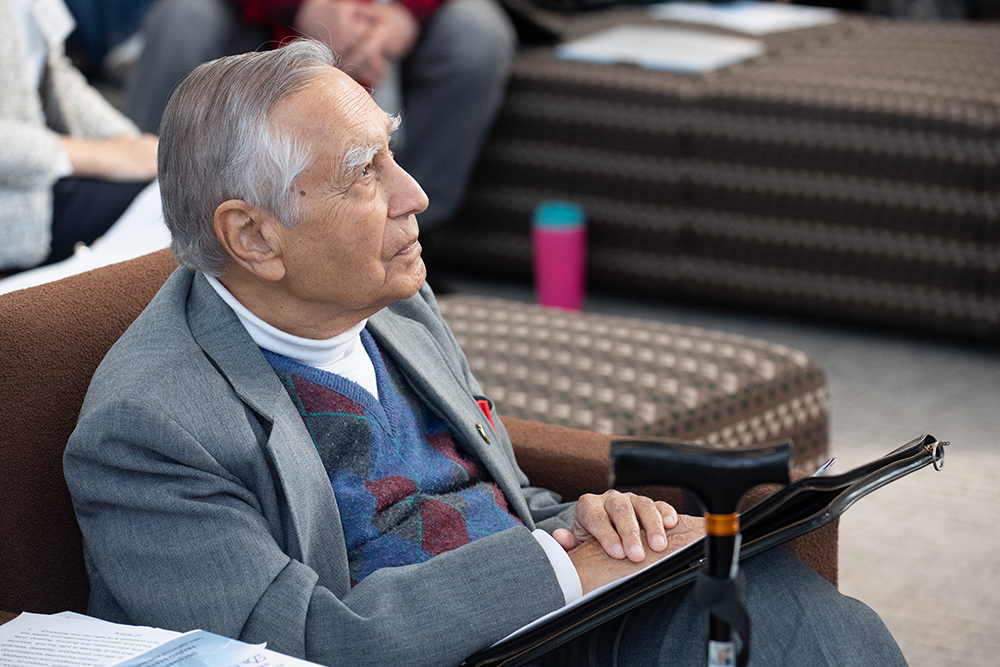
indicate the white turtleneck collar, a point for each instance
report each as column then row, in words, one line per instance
column 344, row 354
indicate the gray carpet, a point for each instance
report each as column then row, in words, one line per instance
column 924, row 552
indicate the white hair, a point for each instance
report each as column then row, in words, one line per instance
column 218, row 142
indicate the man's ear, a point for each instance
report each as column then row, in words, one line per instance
column 251, row 237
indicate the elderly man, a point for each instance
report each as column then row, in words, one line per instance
column 288, row 446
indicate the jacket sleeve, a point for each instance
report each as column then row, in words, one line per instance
column 74, row 107
column 181, row 534
column 29, row 157
column 71, row 107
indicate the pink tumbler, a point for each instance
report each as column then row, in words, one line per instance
column 559, row 242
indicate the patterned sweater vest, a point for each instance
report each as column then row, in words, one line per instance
column 404, row 490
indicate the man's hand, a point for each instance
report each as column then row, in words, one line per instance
column 121, row 158
column 596, row 568
column 365, row 35
column 615, row 519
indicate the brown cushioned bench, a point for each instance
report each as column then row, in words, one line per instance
column 626, row 376
column 852, row 172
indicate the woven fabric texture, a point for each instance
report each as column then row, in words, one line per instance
column 625, row 376
column 851, row 172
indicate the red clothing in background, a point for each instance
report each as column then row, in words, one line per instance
column 278, row 15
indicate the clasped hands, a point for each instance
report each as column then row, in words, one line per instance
column 365, row 35
column 611, row 532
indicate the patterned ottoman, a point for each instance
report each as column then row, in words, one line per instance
column 637, row 377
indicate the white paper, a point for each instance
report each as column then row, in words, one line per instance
column 140, row 230
column 204, row 649
column 72, row 640
column 826, row 466
column 654, row 47
column 753, row 18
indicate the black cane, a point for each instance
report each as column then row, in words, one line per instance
column 719, row 478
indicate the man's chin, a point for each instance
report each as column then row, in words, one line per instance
column 422, row 276
column 414, row 279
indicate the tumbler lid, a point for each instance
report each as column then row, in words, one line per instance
column 554, row 213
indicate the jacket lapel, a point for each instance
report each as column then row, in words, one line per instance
column 312, row 528
column 441, row 384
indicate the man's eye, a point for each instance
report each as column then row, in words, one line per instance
column 367, row 169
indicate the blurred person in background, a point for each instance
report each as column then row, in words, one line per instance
column 445, row 61
column 71, row 163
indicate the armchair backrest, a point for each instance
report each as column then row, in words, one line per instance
column 52, row 337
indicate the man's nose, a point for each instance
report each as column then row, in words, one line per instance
column 406, row 197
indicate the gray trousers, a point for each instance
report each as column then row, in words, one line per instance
column 452, row 82
column 796, row 618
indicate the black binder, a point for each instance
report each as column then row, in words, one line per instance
column 798, row 508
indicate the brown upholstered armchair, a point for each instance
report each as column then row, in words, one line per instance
column 52, row 338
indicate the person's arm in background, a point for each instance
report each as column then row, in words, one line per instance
column 77, row 114
column 121, row 158
column 99, row 141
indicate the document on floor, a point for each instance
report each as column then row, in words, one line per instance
column 653, row 47
column 74, row 640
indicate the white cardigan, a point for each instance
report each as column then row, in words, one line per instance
column 31, row 121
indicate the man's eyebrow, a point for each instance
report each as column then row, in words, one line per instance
column 359, row 156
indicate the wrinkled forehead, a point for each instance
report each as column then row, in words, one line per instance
column 335, row 116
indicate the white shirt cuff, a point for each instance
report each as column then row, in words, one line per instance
column 566, row 574
column 63, row 165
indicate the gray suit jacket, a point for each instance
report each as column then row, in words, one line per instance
column 204, row 504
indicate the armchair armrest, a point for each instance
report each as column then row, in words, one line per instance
column 572, row 462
